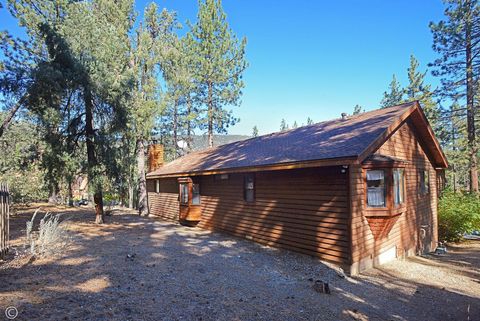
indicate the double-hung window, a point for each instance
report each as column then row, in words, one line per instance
column 249, row 188
column 398, row 186
column 376, row 196
column 424, row 182
column 196, row 194
column 184, row 194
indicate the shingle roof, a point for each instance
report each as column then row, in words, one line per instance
column 333, row 139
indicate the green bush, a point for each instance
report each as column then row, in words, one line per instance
column 458, row 213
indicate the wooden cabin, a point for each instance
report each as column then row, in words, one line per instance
column 358, row 191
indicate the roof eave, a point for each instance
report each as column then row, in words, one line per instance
column 377, row 143
column 349, row 160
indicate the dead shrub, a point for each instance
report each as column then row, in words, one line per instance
column 51, row 238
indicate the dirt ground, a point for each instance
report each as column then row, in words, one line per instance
column 135, row 268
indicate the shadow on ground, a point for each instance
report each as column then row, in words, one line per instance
column 135, row 268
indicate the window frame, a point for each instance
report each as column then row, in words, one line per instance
column 398, row 183
column 249, row 178
column 390, row 209
column 385, row 190
column 196, row 194
column 424, row 181
column 184, row 187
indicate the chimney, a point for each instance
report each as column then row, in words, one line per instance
column 344, row 116
column 155, row 157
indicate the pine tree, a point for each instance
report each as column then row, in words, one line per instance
column 151, row 40
column 418, row 90
column 36, row 72
column 309, row 121
column 394, row 96
column 457, row 40
column 80, row 86
column 358, row 110
column 454, row 143
column 255, row 131
column 295, row 125
column 283, row 125
column 220, row 63
column 98, row 35
column 178, row 67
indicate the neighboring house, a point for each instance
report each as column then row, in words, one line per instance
column 80, row 187
column 357, row 191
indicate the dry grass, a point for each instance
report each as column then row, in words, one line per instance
column 50, row 238
column 135, row 268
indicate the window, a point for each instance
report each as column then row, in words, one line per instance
column 249, row 188
column 398, row 186
column 424, row 182
column 196, row 194
column 376, row 188
column 157, row 186
column 184, row 194
column 220, row 177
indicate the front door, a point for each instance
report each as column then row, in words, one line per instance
column 189, row 197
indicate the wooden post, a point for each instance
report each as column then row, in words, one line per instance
column 4, row 219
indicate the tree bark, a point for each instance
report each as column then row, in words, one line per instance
column 210, row 115
column 142, row 182
column 6, row 122
column 91, row 157
column 472, row 144
column 189, row 123
column 130, row 195
column 53, row 197
column 175, row 128
column 70, row 193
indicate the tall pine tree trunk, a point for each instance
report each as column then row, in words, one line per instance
column 70, row 193
column 91, row 157
column 130, row 194
column 189, row 123
column 8, row 119
column 210, row 115
column 53, row 197
column 472, row 144
column 142, row 182
column 175, row 128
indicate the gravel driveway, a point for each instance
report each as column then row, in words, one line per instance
column 135, row 268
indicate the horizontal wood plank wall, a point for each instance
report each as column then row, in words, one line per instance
column 362, row 240
column 305, row 210
column 165, row 203
column 421, row 211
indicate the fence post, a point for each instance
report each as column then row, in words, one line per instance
column 4, row 219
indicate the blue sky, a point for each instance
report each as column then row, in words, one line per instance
column 318, row 58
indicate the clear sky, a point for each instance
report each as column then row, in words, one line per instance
column 316, row 58
column 312, row 58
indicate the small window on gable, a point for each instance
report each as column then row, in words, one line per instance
column 184, row 194
column 376, row 188
column 249, row 188
column 424, row 182
column 157, row 186
column 196, row 194
column 398, row 186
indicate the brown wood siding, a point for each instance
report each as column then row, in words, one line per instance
column 421, row 210
column 304, row 210
column 164, row 204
